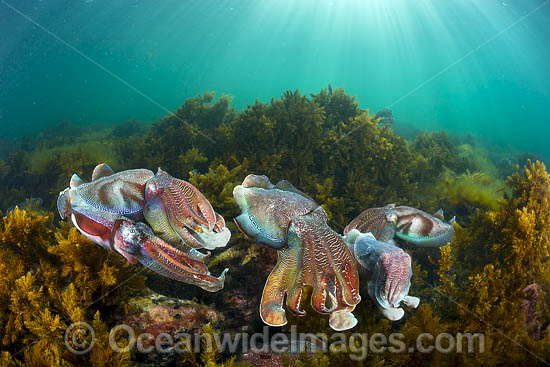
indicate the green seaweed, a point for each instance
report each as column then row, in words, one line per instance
column 464, row 193
column 434, row 152
column 335, row 152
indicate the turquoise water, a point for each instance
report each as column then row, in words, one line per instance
column 479, row 66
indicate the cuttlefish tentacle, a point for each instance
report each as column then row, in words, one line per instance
column 110, row 209
column 316, row 257
column 327, row 263
column 187, row 200
column 220, row 223
column 276, row 285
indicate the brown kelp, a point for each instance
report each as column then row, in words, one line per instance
column 493, row 260
column 340, row 156
column 52, row 278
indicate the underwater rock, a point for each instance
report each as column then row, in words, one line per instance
column 296, row 352
column 310, row 253
column 110, row 210
column 260, row 359
column 157, row 314
column 157, row 318
column 390, row 269
column 243, row 291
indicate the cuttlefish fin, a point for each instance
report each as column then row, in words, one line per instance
column 102, row 170
column 284, row 185
column 439, row 214
column 75, row 181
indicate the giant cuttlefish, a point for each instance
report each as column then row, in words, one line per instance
column 310, row 253
column 409, row 224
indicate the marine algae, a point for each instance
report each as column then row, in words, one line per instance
column 338, row 154
column 53, row 277
column 491, row 261
column 462, row 194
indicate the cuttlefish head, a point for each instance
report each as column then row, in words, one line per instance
column 178, row 211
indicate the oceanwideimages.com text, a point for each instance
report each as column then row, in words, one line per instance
column 80, row 339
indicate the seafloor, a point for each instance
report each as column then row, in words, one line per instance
column 492, row 279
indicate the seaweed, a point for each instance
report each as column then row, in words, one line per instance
column 370, row 164
column 463, row 194
column 337, row 104
column 192, row 128
column 44, row 172
column 493, row 260
column 128, row 128
column 336, row 152
column 434, row 152
column 53, row 277
column 209, row 355
column 280, row 139
column 323, row 143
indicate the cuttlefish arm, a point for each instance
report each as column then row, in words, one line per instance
column 390, row 269
column 137, row 242
column 316, row 257
column 180, row 214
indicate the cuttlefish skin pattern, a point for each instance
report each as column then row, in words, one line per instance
column 179, row 212
column 390, row 269
column 310, row 253
column 409, row 224
column 266, row 213
column 114, row 210
column 422, row 229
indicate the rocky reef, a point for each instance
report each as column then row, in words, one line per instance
column 493, row 278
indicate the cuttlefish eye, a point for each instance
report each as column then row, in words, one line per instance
column 391, row 217
column 152, row 189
